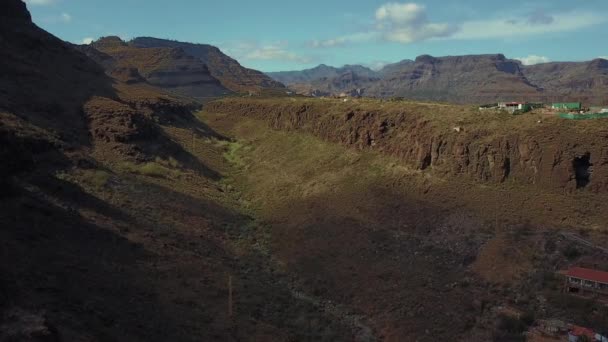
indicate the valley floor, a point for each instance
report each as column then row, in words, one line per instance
column 318, row 241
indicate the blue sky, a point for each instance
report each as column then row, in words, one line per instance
column 272, row 35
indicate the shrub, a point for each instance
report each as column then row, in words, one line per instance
column 511, row 328
column 572, row 252
column 151, row 169
column 96, row 178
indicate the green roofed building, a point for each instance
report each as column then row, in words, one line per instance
column 568, row 106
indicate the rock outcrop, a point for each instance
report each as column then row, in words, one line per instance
column 227, row 70
column 171, row 69
column 554, row 156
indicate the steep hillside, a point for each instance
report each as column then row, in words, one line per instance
column 451, row 140
column 387, row 211
column 171, row 69
column 576, row 81
column 230, row 73
column 114, row 224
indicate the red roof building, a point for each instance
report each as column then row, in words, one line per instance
column 588, row 274
column 580, row 279
column 577, row 331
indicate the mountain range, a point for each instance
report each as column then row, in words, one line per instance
column 460, row 79
column 195, row 70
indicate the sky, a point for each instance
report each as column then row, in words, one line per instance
column 273, row 35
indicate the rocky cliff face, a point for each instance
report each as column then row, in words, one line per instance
column 575, row 81
column 320, row 72
column 169, row 68
column 554, row 156
column 230, row 73
column 477, row 78
column 56, row 104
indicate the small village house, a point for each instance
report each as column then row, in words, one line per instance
column 569, row 106
column 514, row 106
column 580, row 334
column 586, row 281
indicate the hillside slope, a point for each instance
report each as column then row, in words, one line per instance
column 114, row 225
column 230, row 73
column 171, row 69
column 427, row 232
column 451, row 140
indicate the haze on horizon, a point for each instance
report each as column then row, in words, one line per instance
column 277, row 35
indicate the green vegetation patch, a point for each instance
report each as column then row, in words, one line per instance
column 95, row 178
column 150, row 169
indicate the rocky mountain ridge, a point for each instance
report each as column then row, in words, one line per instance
column 171, row 69
column 226, row 69
column 463, row 79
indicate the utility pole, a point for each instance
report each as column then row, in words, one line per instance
column 230, row 313
column 193, row 142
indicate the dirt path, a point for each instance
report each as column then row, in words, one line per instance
column 576, row 238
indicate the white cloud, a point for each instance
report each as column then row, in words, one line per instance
column 277, row 51
column 408, row 23
column 396, row 22
column 63, row 18
column 376, row 65
column 512, row 27
column 533, row 59
column 66, row 18
column 344, row 40
column 87, row 40
column 603, row 57
column 400, row 13
column 539, row 17
column 272, row 52
column 39, row 2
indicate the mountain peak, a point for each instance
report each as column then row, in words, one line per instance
column 232, row 75
column 598, row 63
column 14, row 10
column 425, row 59
column 109, row 41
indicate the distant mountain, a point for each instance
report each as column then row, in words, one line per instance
column 581, row 81
column 349, row 82
column 171, row 69
column 473, row 78
column 320, row 72
column 461, row 79
column 227, row 70
column 395, row 67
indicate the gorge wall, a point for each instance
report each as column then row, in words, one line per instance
column 546, row 152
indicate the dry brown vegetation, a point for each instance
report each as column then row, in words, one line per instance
column 123, row 216
column 406, row 248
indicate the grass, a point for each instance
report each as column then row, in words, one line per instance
column 150, row 169
column 442, row 116
column 95, row 178
column 232, row 153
